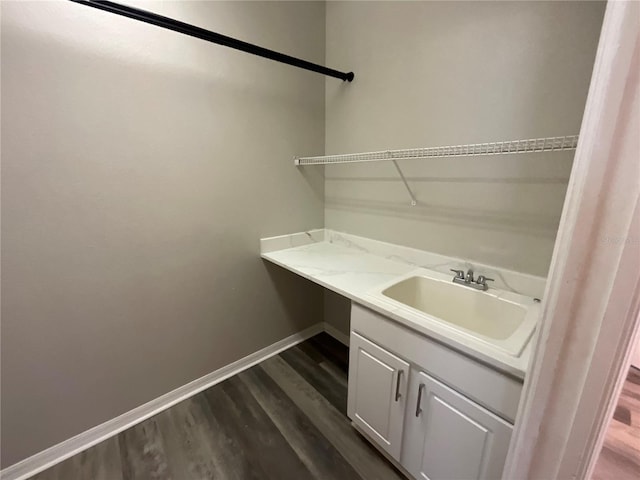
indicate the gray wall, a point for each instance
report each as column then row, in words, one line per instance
column 447, row 73
column 443, row 73
column 139, row 169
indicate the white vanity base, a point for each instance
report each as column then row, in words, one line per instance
column 434, row 411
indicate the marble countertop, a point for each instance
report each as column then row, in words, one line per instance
column 354, row 266
column 344, row 270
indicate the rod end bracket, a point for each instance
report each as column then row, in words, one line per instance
column 349, row 77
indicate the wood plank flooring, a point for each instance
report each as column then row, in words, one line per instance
column 620, row 456
column 282, row 419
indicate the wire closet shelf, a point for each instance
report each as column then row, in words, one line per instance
column 533, row 145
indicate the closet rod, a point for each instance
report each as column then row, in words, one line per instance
column 213, row 37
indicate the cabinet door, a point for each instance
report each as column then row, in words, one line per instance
column 377, row 392
column 449, row 437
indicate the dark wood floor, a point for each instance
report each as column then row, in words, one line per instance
column 620, row 456
column 282, row 419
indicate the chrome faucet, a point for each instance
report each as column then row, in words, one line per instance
column 468, row 281
column 469, row 277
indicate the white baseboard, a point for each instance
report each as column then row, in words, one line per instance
column 57, row 453
column 343, row 338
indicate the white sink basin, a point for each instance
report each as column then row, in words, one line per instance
column 501, row 319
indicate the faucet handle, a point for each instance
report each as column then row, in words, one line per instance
column 482, row 280
column 459, row 273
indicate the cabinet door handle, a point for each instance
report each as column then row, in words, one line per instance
column 418, row 409
column 398, row 395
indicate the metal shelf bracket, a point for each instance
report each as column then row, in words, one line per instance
column 414, row 202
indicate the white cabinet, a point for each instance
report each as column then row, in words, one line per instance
column 377, row 393
column 438, row 414
column 447, row 436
